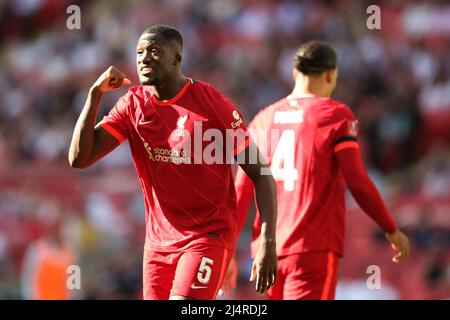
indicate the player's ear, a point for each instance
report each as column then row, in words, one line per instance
column 329, row 76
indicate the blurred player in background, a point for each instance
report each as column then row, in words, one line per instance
column 191, row 212
column 316, row 154
column 44, row 274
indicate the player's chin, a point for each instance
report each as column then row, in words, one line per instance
column 148, row 81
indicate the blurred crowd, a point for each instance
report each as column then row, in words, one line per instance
column 396, row 80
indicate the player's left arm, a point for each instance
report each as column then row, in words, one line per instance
column 369, row 199
column 366, row 194
column 264, row 268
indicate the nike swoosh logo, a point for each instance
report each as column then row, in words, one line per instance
column 197, row 287
column 143, row 123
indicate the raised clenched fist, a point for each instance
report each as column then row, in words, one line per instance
column 111, row 79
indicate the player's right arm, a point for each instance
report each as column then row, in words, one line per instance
column 91, row 143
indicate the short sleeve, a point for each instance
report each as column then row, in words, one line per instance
column 260, row 132
column 345, row 129
column 117, row 121
column 232, row 124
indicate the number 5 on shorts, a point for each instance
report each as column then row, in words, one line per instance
column 204, row 271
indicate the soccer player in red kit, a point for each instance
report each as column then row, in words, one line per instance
column 311, row 143
column 190, row 201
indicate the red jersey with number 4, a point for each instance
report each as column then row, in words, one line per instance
column 299, row 137
column 188, row 198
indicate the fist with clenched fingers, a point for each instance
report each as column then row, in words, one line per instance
column 111, row 79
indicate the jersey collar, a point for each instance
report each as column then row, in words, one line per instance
column 177, row 96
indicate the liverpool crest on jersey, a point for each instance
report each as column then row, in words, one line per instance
column 180, row 126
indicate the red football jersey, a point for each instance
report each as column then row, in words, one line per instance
column 189, row 197
column 299, row 137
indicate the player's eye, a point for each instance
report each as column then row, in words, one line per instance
column 139, row 52
column 154, row 51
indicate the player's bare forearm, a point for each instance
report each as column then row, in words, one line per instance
column 266, row 200
column 90, row 144
column 83, row 138
column 265, row 192
column 264, row 268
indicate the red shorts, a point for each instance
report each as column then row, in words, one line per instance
column 196, row 272
column 306, row 276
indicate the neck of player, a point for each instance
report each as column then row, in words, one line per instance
column 170, row 88
column 310, row 86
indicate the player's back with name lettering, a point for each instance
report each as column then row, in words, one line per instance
column 310, row 188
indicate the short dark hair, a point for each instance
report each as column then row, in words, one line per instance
column 315, row 57
column 167, row 32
